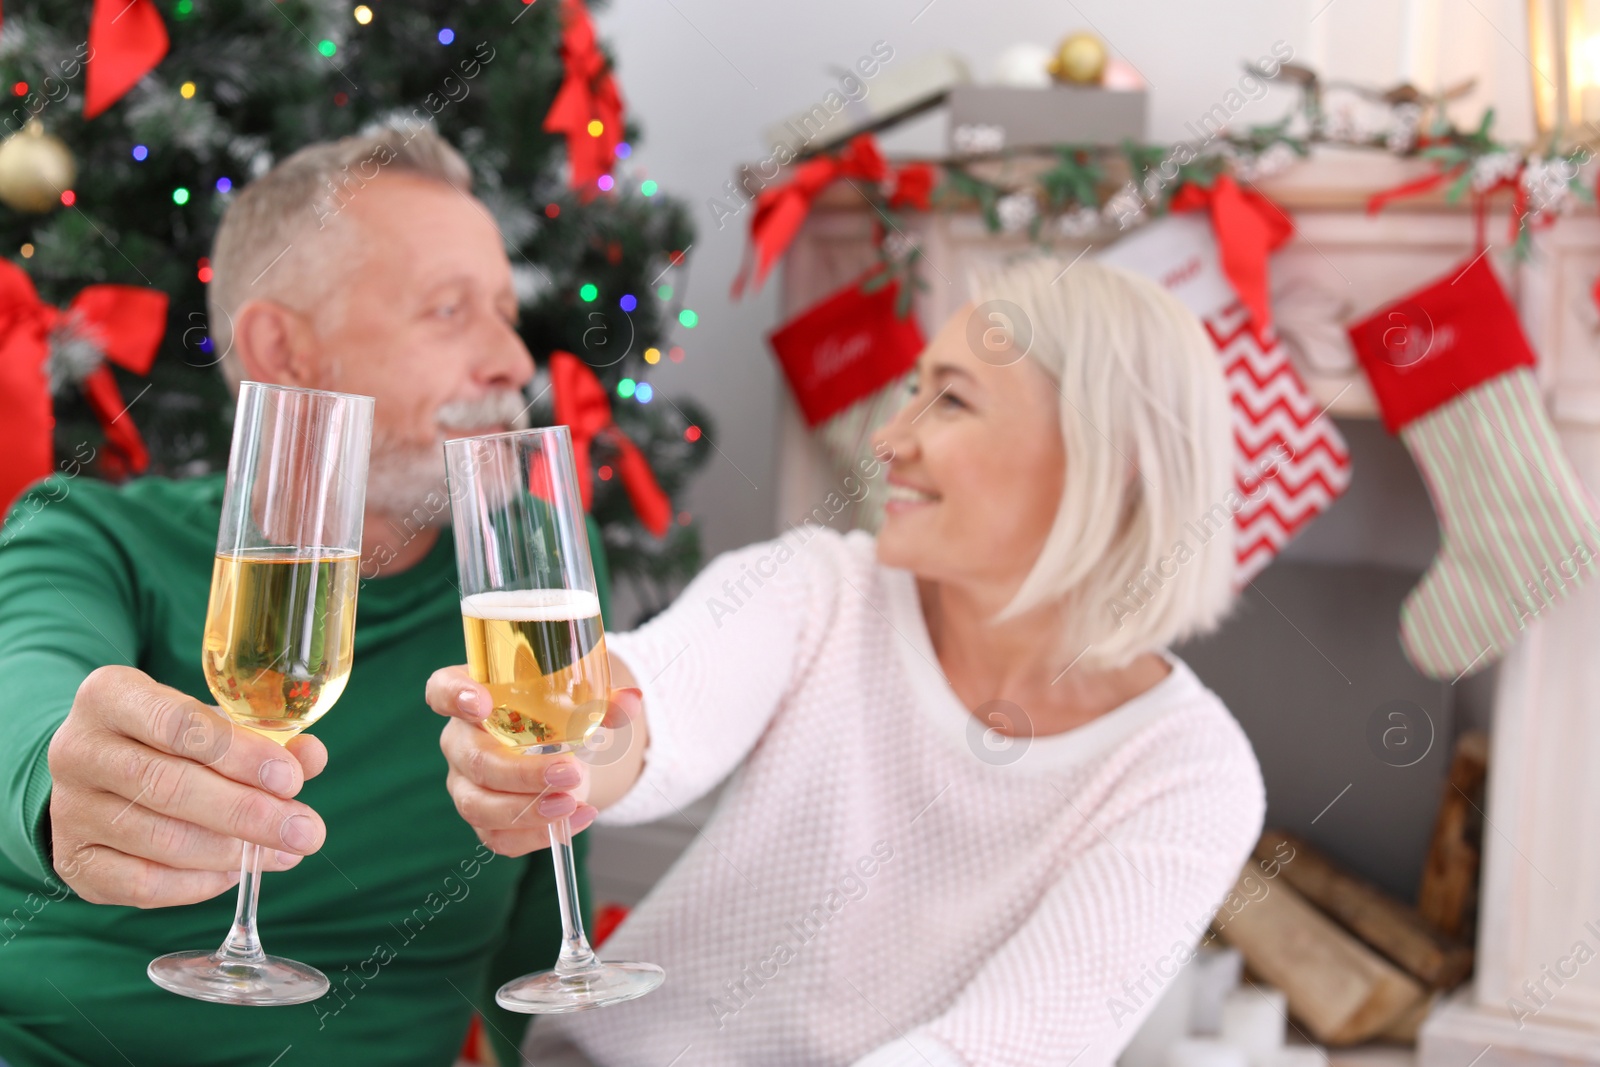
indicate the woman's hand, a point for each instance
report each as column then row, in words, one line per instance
column 510, row 798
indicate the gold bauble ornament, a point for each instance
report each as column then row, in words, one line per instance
column 35, row 167
column 1080, row 59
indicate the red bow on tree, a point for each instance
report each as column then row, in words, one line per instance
column 588, row 94
column 582, row 406
column 124, row 322
column 1248, row 227
column 126, row 40
column 782, row 209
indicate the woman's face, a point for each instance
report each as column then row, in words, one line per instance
column 978, row 463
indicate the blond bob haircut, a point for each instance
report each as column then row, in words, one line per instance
column 1141, row 553
column 272, row 241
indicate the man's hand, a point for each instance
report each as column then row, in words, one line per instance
column 153, row 792
column 510, row 798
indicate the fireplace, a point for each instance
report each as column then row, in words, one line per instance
column 1311, row 655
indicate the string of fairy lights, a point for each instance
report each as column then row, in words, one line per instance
column 627, row 388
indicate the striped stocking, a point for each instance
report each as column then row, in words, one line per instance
column 1518, row 531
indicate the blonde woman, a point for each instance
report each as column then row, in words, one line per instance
column 980, row 813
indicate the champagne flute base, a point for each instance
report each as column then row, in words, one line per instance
column 550, row 993
column 271, row 982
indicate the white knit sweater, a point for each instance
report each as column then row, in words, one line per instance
column 884, row 882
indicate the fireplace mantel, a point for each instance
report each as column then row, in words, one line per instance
column 1541, row 872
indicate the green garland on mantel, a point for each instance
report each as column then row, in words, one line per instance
column 1084, row 188
column 1088, row 186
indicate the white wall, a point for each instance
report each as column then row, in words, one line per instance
column 705, row 77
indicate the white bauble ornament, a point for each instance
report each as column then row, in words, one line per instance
column 1024, row 66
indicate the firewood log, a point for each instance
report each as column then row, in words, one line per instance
column 1447, row 896
column 1342, row 990
column 1394, row 929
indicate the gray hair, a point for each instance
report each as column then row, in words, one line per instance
column 296, row 198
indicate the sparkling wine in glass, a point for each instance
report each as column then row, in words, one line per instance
column 279, row 629
column 531, row 612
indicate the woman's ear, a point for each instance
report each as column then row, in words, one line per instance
column 274, row 343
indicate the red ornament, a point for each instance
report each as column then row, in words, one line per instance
column 913, row 186
column 782, row 209
column 1248, row 228
column 588, row 94
column 692, row 434
column 1519, row 198
column 582, row 405
column 126, row 40
column 126, row 321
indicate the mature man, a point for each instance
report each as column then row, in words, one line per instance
column 362, row 266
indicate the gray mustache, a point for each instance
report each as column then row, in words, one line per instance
column 507, row 406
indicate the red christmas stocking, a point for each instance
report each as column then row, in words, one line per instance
column 846, row 359
column 1290, row 462
column 1517, row 530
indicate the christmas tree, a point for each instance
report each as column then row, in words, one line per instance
column 599, row 268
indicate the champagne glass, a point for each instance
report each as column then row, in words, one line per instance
column 531, row 612
column 279, row 629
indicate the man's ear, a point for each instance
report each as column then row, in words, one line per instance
column 274, row 343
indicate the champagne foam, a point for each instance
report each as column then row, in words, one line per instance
column 531, row 605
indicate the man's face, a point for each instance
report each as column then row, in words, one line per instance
column 424, row 321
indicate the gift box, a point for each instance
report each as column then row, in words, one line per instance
column 992, row 117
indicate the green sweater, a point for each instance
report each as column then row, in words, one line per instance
column 413, row 921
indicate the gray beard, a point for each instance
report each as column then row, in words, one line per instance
column 408, row 480
column 403, row 480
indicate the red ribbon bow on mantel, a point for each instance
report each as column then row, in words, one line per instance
column 125, row 322
column 588, row 93
column 1480, row 200
column 581, row 405
column 1248, row 227
column 782, row 209
column 126, row 40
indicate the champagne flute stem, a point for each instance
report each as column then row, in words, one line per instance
column 243, row 945
column 576, row 955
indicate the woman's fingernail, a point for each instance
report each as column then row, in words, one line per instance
column 553, row 807
column 580, row 819
column 562, row 775
column 287, row 859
